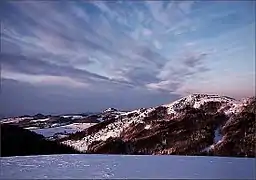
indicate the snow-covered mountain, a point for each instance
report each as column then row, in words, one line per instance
column 190, row 125
column 198, row 124
column 110, row 110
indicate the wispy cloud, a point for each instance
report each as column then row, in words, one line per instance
column 128, row 45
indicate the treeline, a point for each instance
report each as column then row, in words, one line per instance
column 16, row 141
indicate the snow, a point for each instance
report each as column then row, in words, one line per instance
column 15, row 119
column 73, row 116
column 218, row 138
column 122, row 121
column 197, row 100
column 110, row 110
column 40, row 120
column 55, row 125
column 235, row 108
column 77, row 117
column 70, row 128
column 111, row 130
column 87, row 166
column 100, row 119
column 148, row 126
column 207, row 149
column 217, row 135
column 146, row 112
column 79, row 126
column 66, row 116
column 48, row 132
column 130, row 112
column 142, row 113
column 221, row 140
column 31, row 128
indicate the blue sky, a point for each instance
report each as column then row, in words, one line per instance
column 81, row 56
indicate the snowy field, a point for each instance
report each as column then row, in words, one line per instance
column 48, row 132
column 71, row 128
column 79, row 126
column 118, row 166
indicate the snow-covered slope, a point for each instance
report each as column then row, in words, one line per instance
column 123, row 120
column 198, row 100
column 62, row 130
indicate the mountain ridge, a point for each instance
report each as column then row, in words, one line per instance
column 126, row 131
column 197, row 124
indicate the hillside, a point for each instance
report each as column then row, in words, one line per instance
column 198, row 124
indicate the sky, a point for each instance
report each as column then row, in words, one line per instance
column 79, row 56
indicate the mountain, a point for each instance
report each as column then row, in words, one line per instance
column 40, row 121
column 198, row 124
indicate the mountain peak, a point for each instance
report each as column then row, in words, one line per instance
column 110, row 110
column 196, row 100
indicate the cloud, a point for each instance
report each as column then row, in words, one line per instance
column 171, row 77
column 70, row 41
column 186, row 6
column 193, row 60
column 50, row 99
column 136, row 48
column 187, row 65
column 157, row 45
column 34, row 66
column 147, row 32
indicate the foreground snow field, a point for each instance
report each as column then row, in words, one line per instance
column 118, row 166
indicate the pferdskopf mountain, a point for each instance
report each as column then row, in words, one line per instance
column 198, row 124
